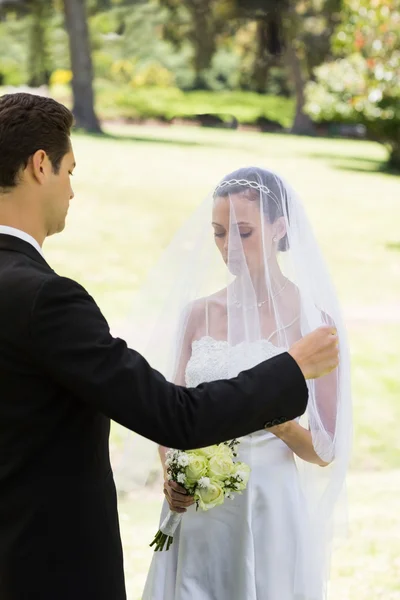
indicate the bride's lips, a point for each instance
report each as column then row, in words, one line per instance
column 234, row 257
column 233, row 260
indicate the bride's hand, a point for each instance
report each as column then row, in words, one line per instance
column 177, row 497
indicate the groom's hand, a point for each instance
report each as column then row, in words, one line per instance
column 317, row 353
column 177, row 497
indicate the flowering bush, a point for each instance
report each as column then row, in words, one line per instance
column 363, row 84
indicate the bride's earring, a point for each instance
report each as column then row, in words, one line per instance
column 275, row 239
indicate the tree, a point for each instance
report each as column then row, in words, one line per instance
column 37, row 13
column 319, row 21
column 81, row 65
column 279, row 23
column 38, row 57
column 200, row 22
column 363, row 84
column 295, row 34
column 310, row 25
column 302, row 124
column 269, row 44
column 203, row 37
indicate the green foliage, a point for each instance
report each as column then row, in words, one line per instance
column 166, row 103
column 58, row 42
column 224, row 71
column 144, row 44
column 363, row 84
column 15, row 35
column 133, row 39
column 13, row 67
column 199, row 24
column 128, row 46
column 153, row 75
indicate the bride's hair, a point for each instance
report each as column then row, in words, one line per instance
column 258, row 184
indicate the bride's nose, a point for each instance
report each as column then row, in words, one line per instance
column 233, row 243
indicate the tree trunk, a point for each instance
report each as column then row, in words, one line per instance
column 38, row 59
column 394, row 156
column 203, row 38
column 81, row 64
column 302, row 125
column 262, row 60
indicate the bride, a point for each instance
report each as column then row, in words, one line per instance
column 270, row 288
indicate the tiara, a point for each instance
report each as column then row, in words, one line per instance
column 243, row 182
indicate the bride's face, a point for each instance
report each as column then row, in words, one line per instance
column 241, row 235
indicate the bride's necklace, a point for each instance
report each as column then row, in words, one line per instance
column 258, row 304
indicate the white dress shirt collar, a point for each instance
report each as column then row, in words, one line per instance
column 22, row 235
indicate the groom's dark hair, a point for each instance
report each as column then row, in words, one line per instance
column 29, row 123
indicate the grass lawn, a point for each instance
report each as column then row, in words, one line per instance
column 136, row 186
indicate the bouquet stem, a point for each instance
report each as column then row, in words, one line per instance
column 159, row 541
column 164, row 536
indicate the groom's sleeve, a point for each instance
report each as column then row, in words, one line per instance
column 71, row 342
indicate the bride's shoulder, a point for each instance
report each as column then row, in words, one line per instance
column 197, row 312
column 213, row 301
column 217, row 300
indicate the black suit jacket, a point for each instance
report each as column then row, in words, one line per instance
column 62, row 378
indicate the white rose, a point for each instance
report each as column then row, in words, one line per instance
column 224, row 450
column 220, row 466
column 196, row 468
column 210, row 496
column 207, row 451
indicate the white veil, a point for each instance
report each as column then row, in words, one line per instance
column 245, row 270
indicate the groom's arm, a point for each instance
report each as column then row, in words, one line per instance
column 70, row 340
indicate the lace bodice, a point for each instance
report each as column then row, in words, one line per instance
column 215, row 359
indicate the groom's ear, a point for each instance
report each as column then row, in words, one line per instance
column 40, row 166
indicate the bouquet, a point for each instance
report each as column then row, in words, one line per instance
column 209, row 475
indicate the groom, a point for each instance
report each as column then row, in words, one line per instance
column 63, row 377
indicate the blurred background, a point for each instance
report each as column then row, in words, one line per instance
column 168, row 95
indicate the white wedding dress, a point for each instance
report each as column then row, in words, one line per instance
column 254, row 547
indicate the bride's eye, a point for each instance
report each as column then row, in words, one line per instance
column 246, row 235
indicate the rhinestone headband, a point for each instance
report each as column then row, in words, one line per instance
column 243, row 182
